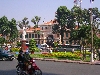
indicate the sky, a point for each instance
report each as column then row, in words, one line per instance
column 45, row 9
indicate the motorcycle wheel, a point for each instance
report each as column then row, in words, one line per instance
column 11, row 59
column 23, row 74
column 18, row 70
column 4, row 59
column 38, row 72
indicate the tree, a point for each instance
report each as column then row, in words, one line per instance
column 32, row 45
column 77, row 15
column 13, row 31
column 36, row 20
column 4, row 28
column 84, row 32
column 86, row 17
column 62, row 16
column 55, row 29
column 8, row 29
column 23, row 23
column 2, row 40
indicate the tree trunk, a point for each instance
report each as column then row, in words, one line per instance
column 78, row 24
column 62, row 34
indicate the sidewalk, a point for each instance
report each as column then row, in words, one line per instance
column 69, row 61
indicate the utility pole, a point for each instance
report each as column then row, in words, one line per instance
column 80, row 2
column 91, row 22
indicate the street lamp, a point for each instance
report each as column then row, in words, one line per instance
column 91, row 22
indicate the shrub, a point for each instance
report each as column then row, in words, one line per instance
column 32, row 46
column 36, row 49
column 47, row 55
column 67, row 55
column 15, row 49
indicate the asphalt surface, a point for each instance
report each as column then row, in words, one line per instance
column 53, row 68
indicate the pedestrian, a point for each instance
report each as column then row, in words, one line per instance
column 50, row 49
column 72, row 50
column 95, row 55
column 99, row 53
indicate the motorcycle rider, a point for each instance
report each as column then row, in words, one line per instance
column 27, row 58
column 20, row 58
column 24, row 58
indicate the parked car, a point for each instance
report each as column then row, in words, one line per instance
column 67, row 48
column 44, row 47
column 4, row 55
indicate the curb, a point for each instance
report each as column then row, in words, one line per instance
column 67, row 61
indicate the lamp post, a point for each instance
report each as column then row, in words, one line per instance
column 80, row 2
column 91, row 23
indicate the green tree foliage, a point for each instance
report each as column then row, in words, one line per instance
column 32, row 45
column 62, row 17
column 18, row 43
column 36, row 20
column 55, row 44
column 84, row 31
column 56, row 29
column 2, row 40
column 8, row 28
column 76, row 15
column 23, row 23
column 13, row 29
column 4, row 28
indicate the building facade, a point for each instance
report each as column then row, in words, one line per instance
column 44, row 32
column 30, row 33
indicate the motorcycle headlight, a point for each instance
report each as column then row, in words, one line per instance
column 33, row 60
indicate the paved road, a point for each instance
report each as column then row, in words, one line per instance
column 53, row 68
column 8, row 67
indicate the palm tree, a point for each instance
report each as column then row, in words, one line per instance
column 36, row 20
column 23, row 23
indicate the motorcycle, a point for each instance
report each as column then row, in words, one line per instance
column 20, row 68
column 33, row 69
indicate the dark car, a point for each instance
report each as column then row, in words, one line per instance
column 4, row 55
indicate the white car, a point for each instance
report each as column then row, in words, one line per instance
column 44, row 46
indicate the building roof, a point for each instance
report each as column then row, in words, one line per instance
column 52, row 22
column 31, row 29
